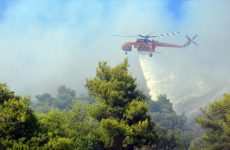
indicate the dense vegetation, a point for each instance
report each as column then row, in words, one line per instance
column 216, row 125
column 115, row 116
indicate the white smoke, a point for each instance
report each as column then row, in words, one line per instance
column 44, row 44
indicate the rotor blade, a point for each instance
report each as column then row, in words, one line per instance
column 194, row 43
column 125, row 35
column 154, row 36
column 150, row 33
column 167, row 34
column 188, row 38
column 142, row 36
column 129, row 34
column 194, row 37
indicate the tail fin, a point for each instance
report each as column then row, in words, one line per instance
column 190, row 40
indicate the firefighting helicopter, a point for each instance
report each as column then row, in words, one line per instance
column 144, row 44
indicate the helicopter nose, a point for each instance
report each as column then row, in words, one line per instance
column 126, row 47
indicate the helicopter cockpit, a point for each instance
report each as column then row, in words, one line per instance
column 143, row 40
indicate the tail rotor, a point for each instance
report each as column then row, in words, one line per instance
column 190, row 40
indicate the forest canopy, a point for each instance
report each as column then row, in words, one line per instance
column 115, row 115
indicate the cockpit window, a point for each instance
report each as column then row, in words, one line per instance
column 143, row 40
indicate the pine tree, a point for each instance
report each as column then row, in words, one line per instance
column 120, row 108
column 17, row 120
column 216, row 125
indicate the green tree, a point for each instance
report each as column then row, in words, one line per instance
column 45, row 103
column 120, row 108
column 20, row 128
column 216, row 125
column 162, row 104
column 65, row 97
column 64, row 100
column 71, row 129
column 18, row 123
column 161, row 111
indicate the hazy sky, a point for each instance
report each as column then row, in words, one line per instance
column 44, row 44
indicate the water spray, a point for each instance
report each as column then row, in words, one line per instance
column 157, row 80
column 166, row 79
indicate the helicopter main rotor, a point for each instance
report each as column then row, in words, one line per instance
column 149, row 35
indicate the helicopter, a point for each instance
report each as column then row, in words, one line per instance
column 144, row 44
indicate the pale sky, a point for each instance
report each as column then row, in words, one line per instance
column 44, row 44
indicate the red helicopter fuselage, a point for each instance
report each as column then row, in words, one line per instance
column 146, row 45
